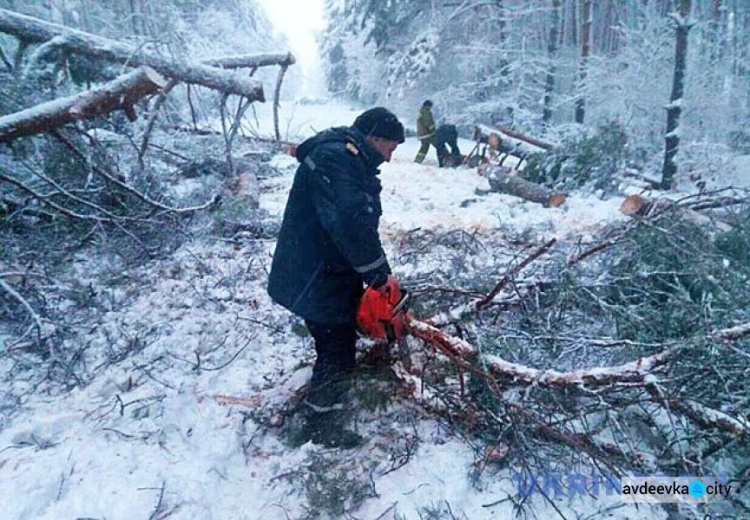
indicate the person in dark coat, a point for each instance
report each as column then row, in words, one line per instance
column 447, row 136
column 328, row 247
column 425, row 130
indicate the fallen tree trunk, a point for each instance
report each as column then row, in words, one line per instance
column 640, row 206
column 33, row 30
column 503, row 180
column 121, row 93
column 252, row 62
column 504, row 140
column 528, row 139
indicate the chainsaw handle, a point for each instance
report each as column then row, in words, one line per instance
column 403, row 302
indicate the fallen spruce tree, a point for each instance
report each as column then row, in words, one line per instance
column 629, row 354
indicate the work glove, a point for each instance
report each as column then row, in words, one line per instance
column 376, row 278
column 389, row 286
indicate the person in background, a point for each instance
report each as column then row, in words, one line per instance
column 425, row 130
column 328, row 247
column 447, row 136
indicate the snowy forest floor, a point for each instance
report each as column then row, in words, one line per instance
column 189, row 364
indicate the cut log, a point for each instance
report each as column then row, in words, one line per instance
column 505, row 180
column 33, row 30
column 640, row 206
column 121, row 93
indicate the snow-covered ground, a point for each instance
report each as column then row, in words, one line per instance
column 179, row 428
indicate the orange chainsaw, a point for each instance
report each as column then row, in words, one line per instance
column 382, row 314
column 382, row 311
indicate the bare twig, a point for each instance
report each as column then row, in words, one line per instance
column 390, row 508
column 276, row 94
column 5, row 60
column 152, row 120
column 45, row 199
column 37, row 321
column 509, row 275
column 130, row 189
column 236, row 354
column 159, row 504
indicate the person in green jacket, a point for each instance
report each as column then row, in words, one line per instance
column 425, row 130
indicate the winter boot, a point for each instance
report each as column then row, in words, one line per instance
column 327, row 429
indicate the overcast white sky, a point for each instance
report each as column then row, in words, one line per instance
column 300, row 20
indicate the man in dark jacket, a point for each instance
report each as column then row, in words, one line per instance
column 447, row 135
column 425, row 130
column 327, row 248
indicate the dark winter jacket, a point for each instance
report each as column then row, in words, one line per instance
column 329, row 243
column 447, row 136
column 425, row 123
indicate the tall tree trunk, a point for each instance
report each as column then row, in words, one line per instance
column 574, row 23
column 502, row 37
column 134, row 18
column 552, row 46
column 713, row 41
column 674, row 110
column 585, row 50
column 745, row 23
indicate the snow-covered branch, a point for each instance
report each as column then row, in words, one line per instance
column 252, row 61
column 36, row 320
column 121, row 93
column 33, row 30
column 700, row 414
column 637, row 371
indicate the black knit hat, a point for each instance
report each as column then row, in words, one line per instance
column 380, row 122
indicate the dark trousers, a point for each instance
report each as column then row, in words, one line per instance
column 448, row 159
column 334, row 366
column 447, row 135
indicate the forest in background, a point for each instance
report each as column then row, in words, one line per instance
column 655, row 308
column 542, row 65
